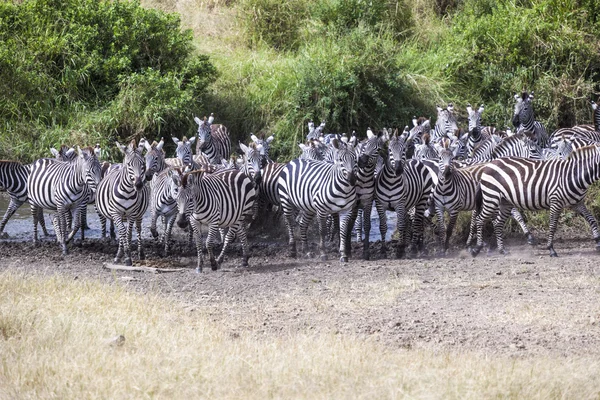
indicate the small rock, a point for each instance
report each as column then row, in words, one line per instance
column 116, row 341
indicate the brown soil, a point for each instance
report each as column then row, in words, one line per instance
column 522, row 304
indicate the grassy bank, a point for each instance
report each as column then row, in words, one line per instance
column 55, row 342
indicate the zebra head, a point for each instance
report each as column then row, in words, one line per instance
column 204, row 131
column 265, row 147
column 459, row 146
column 475, row 119
column 183, row 190
column 344, row 160
column 155, row 158
column 184, row 149
column 396, row 155
column 252, row 161
column 446, row 121
column 315, row 133
column 65, row 153
column 519, row 107
column 368, row 150
column 310, row 151
column 445, row 167
column 90, row 167
column 133, row 164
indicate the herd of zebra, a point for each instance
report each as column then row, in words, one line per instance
column 418, row 173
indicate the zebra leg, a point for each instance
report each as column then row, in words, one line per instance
column 382, row 226
column 346, row 233
column 480, row 220
column 305, row 220
column 153, row 219
column 35, row 214
column 129, row 233
column 169, row 232
column 450, row 228
column 195, row 228
column 441, row 234
column 521, row 221
column 229, row 237
column 42, row 221
column 499, row 222
column 140, row 246
column 554, row 215
column 120, row 225
column 366, row 220
column 591, row 220
column 62, row 217
column 102, row 219
column 358, row 225
column 79, row 223
column 12, row 207
column 322, row 222
column 401, row 227
column 417, row 229
column 243, row 235
column 288, row 213
column 213, row 231
column 472, row 228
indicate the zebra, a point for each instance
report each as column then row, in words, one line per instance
column 445, row 126
column 213, row 140
column 367, row 155
column 537, row 185
column 265, row 146
column 476, row 135
column 561, row 150
column 310, row 151
column 123, row 197
column 13, row 179
column 425, row 150
column 456, row 191
column 401, row 185
column 524, row 119
column 220, row 200
column 61, row 186
column 318, row 188
column 513, row 146
column 315, row 133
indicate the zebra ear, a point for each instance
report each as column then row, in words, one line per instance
column 211, row 118
column 469, row 108
column 177, row 141
column 481, row 108
column 160, row 144
column 244, row 148
column 71, row 150
column 270, row 139
column 594, row 105
column 192, row 139
column 439, row 109
column 147, row 145
column 121, row 147
column 254, row 138
column 415, row 121
column 54, row 152
column 198, row 121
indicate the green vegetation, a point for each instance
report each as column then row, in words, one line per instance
column 83, row 71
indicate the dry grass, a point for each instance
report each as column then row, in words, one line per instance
column 54, row 344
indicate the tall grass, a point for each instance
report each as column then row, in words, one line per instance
column 56, row 342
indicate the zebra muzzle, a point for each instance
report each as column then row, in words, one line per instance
column 139, row 183
column 182, row 221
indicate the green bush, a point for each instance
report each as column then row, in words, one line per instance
column 110, row 66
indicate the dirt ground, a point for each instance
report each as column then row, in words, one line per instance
column 522, row 304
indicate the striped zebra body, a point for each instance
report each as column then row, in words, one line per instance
column 401, row 185
column 425, row 150
column 513, row 146
column 537, row 185
column 456, row 191
column 221, row 200
column 367, row 155
column 584, row 132
column 252, row 163
column 60, row 186
column 123, row 198
column 317, row 188
column 13, row 179
column 213, row 140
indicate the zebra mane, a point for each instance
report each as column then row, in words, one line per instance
column 584, row 152
column 426, row 138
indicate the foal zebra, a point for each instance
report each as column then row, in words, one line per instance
column 220, row 200
column 60, row 186
column 123, row 197
column 213, row 140
column 537, row 185
column 13, row 179
column 317, row 188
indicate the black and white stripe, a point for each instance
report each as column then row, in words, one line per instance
column 123, row 198
column 317, row 188
column 537, row 185
column 213, row 140
column 524, row 120
column 224, row 199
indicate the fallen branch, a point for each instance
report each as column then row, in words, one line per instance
column 141, row 268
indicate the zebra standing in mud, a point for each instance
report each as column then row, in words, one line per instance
column 401, row 185
column 537, row 185
column 524, row 119
column 456, row 191
column 223, row 199
column 317, row 188
column 368, row 152
column 60, row 186
column 13, row 179
column 213, row 140
column 123, row 198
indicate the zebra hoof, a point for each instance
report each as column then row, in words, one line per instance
column 343, row 259
column 198, row 270
column 323, row 257
column 128, row 262
column 142, row 256
column 400, row 253
column 245, row 263
column 214, row 265
column 366, row 255
column 531, row 240
column 503, row 252
column 4, row 235
column 154, row 233
column 475, row 251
